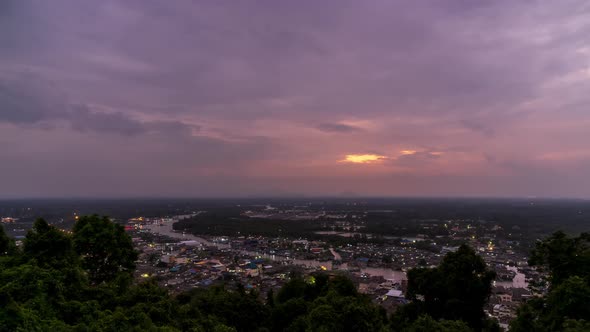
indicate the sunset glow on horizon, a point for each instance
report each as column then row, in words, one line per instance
column 408, row 152
column 363, row 158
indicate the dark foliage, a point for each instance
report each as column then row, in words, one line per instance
column 104, row 247
column 566, row 307
column 456, row 290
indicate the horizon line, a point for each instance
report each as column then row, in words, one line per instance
column 293, row 196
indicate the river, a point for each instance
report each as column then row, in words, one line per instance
column 166, row 229
column 519, row 280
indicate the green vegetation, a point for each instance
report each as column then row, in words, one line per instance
column 456, row 290
column 82, row 281
column 520, row 221
column 6, row 243
column 104, row 247
column 567, row 306
column 232, row 223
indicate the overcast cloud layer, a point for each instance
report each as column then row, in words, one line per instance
column 247, row 98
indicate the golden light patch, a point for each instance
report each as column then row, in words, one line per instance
column 363, row 158
column 408, row 152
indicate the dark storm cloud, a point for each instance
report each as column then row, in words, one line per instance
column 83, row 120
column 28, row 99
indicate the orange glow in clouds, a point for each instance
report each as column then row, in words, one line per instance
column 363, row 158
column 408, row 152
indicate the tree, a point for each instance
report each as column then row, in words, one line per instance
column 284, row 314
column 527, row 319
column 270, row 298
column 293, row 289
column 580, row 325
column 323, row 303
column 406, row 315
column 456, row 290
column 425, row 323
column 571, row 299
column 565, row 307
column 7, row 246
column 343, row 286
column 324, row 318
column 244, row 312
column 563, row 256
column 105, row 249
column 49, row 246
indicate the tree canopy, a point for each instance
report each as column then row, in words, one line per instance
column 567, row 305
column 49, row 246
column 563, row 256
column 6, row 242
column 105, row 249
column 455, row 290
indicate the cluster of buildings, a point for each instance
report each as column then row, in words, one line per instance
column 181, row 261
column 504, row 302
column 181, row 265
column 7, row 220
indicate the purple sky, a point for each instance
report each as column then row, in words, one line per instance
column 246, row 98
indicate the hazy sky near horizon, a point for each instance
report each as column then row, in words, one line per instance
column 247, row 98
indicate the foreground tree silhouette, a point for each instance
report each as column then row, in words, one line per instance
column 105, row 249
column 5, row 242
column 455, row 290
column 566, row 306
column 427, row 324
column 325, row 303
column 49, row 246
column 563, row 256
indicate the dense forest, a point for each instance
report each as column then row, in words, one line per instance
column 398, row 217
column 83, row 281
column 540, row 216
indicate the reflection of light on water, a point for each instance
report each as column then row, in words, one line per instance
column 519, row 280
